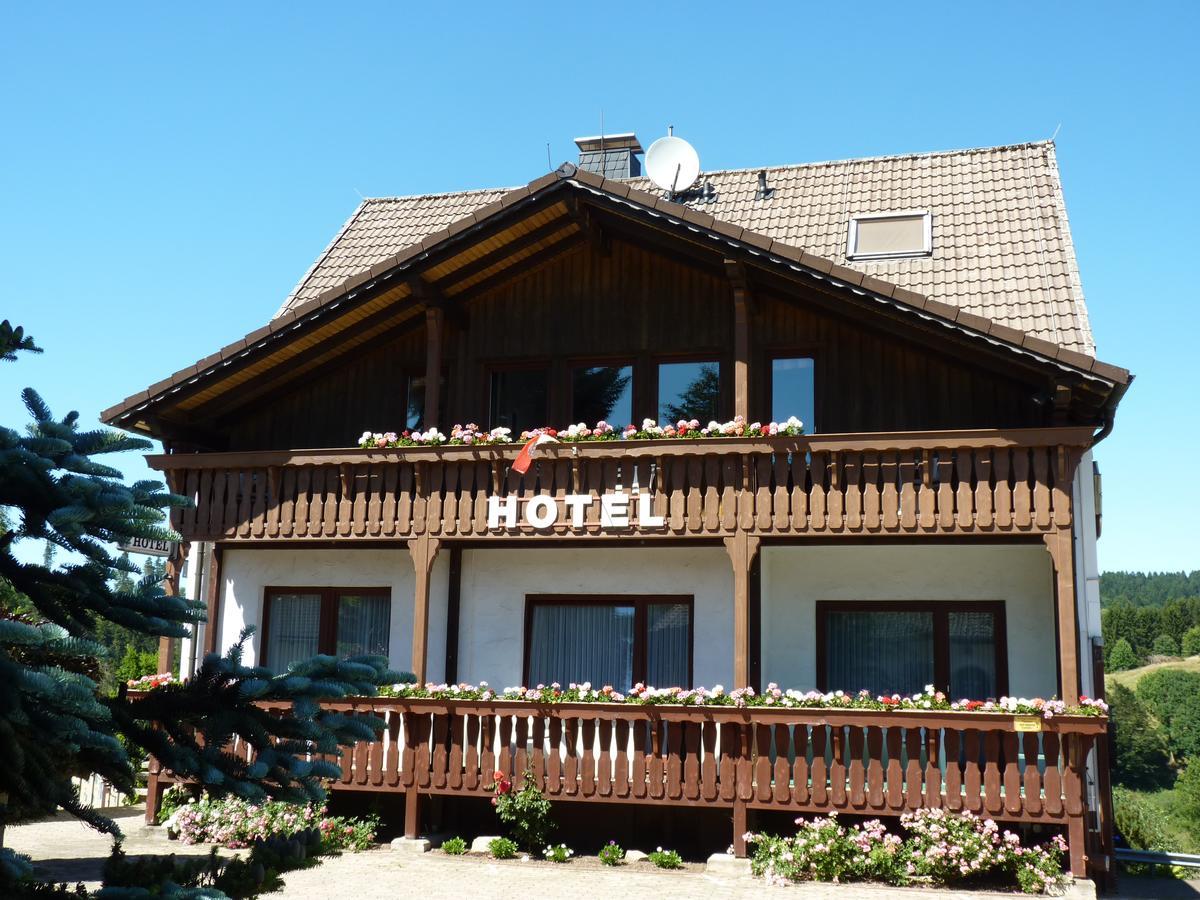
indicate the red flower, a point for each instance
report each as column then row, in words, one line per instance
column 888, row 701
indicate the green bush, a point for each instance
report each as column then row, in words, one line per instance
column 1139, row 750
column 526, row 812
column 611, row 854
column 456, row 846
column 502, row 848
column 1190, row 645
column 1165, row 645
column 665, row 859
column 558, row 853
column 1139, row 825
column 1121, row 657
column 1187, row 792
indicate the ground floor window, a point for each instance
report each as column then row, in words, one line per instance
column 302, row 622
column 608, row 640
column 899, row 647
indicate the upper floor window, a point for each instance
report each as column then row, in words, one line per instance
column 793, row 391
column 889, row 235
column 518, row 399
column 602, row 393
column 415, row 414
column 301, row 622
column 689, row 390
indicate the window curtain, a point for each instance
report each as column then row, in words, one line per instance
column 363, row 625
column 294, row 630
column 582, row 643
column 667, row 645
column 972, row 655
column 882, row 652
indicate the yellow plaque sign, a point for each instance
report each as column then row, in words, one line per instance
column 1027, row 723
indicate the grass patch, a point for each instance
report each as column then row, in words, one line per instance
column 1130, row 677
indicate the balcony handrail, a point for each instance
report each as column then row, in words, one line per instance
column 1071, row 436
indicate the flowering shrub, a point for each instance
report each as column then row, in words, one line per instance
column 773, row 696
column 526, row 812
column 558, row 853
column 472, row 435
column 502, row 848
column 611, row 854
column 455, row 846
column 150, row 682
column 941, row 848
column 238, row 823
column 665, row 859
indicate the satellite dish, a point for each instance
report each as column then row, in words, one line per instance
column 673, row 164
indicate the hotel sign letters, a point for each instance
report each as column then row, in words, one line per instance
column 618, row 509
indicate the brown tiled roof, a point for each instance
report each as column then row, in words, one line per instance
column 1001, row 243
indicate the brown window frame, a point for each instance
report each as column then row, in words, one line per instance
column 941, row 633
column 412, row 375
column 640, row 603
column 327, row 627
column 537, row 364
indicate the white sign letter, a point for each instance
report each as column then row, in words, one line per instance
column 614, row 510
column 541, row 511
column 646, row 518
column 509, row 507
column 577, row 503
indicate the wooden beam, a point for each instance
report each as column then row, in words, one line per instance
column 742, row 549
column 492, row 257
column 286, row 370
column 1060, row 545
column 736, row 273
column 424, row 551
column 435, row 318
column 211, row 644
column 522, row 267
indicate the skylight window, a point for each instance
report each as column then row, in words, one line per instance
column 890, row 235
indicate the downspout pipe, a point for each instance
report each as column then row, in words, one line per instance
column 1110, row 411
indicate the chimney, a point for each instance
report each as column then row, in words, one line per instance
column 610, row 156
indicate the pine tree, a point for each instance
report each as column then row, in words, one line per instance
column 53, row 722
column 1191, row 645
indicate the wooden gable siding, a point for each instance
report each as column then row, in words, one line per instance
column 624, row 303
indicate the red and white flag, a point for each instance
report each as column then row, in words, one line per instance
column 529, row 451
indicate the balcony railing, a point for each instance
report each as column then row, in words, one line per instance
column 798, row 761
column 916, row 483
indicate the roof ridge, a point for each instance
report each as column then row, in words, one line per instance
column 437, row 195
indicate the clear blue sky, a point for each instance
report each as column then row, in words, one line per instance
column 168, row 171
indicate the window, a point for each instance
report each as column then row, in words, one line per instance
column 890, row 234
column 301, row 622
column 602, row 393
column 415, row 415
column 793, row 391
column 899, row 647
column 689, row 390
column 615, row 641
column 518, row 399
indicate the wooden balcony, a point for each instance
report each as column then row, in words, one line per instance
column 798, row 761
column 970, row 482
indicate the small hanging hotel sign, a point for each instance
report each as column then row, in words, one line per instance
column 618, row 509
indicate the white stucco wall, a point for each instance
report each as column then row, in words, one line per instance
column 1087, row 568
column 795, row 578
column 246, row 573
column 495, row 582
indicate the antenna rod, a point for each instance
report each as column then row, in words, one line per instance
column 549, row 165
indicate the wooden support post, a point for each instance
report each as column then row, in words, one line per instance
column 453, row 602
column 211, row 642
column 174, row 571
column 742, row 549
column 435, row 319
column 1062, row 556
column 739, row 829
column 412, row 813
column 424, row 551
column 736, row 273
